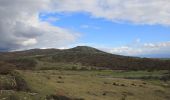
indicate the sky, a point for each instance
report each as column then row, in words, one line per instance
column 125, row 27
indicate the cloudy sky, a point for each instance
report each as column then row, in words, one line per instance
column 126, row 27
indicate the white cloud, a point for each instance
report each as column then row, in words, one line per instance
column 157, row 45
column 52, row 19
column 29, row 42
column 142, row 49
column 20, row 26
column 85, row 26
column 135, row 11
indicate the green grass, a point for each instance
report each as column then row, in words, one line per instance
column 124, row 74
column 91, row 85
column 60, row 66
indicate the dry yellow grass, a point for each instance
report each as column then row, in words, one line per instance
column 90, row 86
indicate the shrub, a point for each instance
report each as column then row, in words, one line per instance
column 84, row 68
column 61, row 97
column 20, row 82
column 7, row 83
column 6, row 68
column 23, row 63
column 14, row 97
column 74, row 68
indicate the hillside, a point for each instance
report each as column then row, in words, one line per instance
column 89, row 56
column 86, row 56
column 80, row 74
column 27, row 53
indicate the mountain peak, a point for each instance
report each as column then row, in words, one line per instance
column 85, row 49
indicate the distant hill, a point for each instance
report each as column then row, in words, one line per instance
column 87, row 56
column 27, row 53
column 159, row 56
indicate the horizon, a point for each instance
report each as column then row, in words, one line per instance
column 130, row 28
column 149, row 56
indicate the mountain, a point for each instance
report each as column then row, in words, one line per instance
column 85, row 49
column 84, row 55
column 162, row 55
column 27, row 53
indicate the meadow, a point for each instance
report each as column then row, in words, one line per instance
column 86, row 85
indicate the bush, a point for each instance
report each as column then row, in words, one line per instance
column 14, row 81
column 21, row 83
column 61, row 97
column 14, row 97
column 23, row 63
column 6, row 68
column 74, row 68
column 84, row 68
column 7, row 83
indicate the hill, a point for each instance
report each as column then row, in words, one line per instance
column 85, row 56
column 72, row 74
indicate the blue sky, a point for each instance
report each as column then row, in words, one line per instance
column 100, row 31
column 103, row 33
column 125, row 27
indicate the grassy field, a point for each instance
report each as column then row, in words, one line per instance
column 87, row 85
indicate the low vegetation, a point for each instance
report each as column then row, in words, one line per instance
column 86, row 56
column 6, row 68
column 84, row 85
column 82, row 73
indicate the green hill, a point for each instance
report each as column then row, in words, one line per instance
column 72, row 74
column 85, row 56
